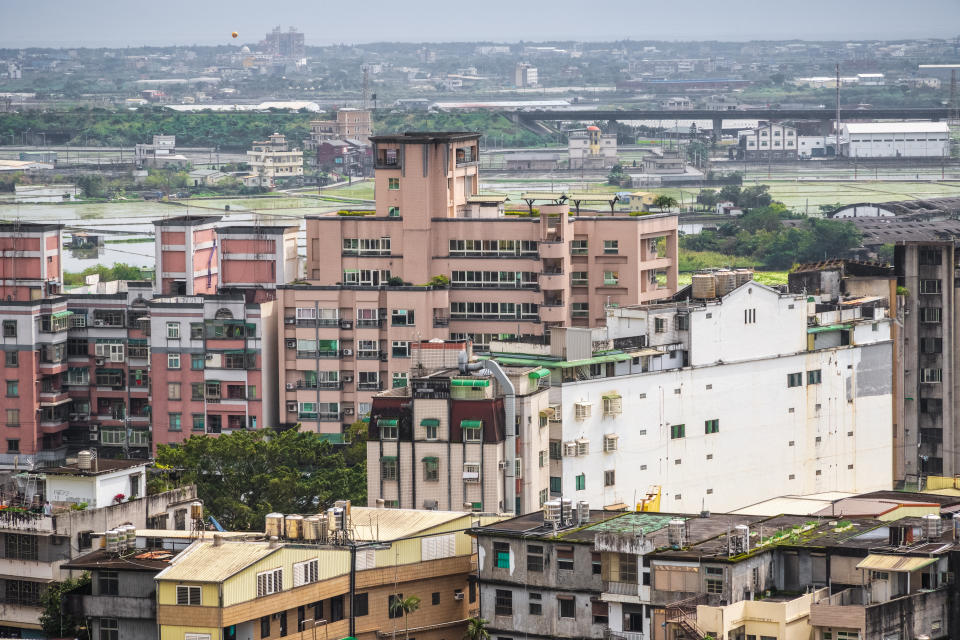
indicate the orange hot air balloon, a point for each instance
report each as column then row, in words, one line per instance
column 234, row 34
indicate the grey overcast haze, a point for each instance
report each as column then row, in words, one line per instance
column 112, row 23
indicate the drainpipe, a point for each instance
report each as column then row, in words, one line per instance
column 510, row 411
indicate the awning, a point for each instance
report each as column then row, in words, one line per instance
column 433, row 459
column 55, row 403
column 829, row 327
column 429, row 422
column 471, row 424
column 615, row 507
column 565, row 364
column 388, row 459
column 900, row 564
column 539, row 373
column 611, row 395
column 470, row 382
column 326, row 345
column 387, row 422
column 61, row 314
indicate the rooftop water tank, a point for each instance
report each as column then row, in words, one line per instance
column 274, row 525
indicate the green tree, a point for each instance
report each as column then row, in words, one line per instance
column 708, row 198
column 93, row 185
column 664, row 202
column 730, row 193
column 245, row 475
column 477, row 629
column 54, row 621
column 399, row 604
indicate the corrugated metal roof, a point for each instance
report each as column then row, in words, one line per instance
column 370, row 523
column 203, row 562
column 903, row 564
column 897, row 127
column 566, row 364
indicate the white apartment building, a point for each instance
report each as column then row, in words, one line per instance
column 702, row 398
column 769, row 140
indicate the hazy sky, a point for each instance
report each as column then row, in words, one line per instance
column 95, row 23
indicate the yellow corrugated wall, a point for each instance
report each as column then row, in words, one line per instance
column 169, row 632
column 243, row 586
column 942, row 482
column 167, row 593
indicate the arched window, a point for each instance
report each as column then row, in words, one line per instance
column 223, row 314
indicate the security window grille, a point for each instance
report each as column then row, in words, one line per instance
column 269, row 582
column 18, row 546
column 431, row 470
column 930, row 257
column 612, row 405
column 931, row 315
column 108, row 583
column 659, row 325
column 930, row 286
column 188, row 595
column 503, row 603
column 583, row 447
column 22, row 592
column 714, row 585
column 609, row 478
column 610, row 442
column 678, row 431
column 566, row 606
column 556, row 447
column 581, row 410
column 501, row 555
column 931, row 375
column 109, row 629
column 534, row 557
column 794, row 380
column 711, row 426
column 388, row 469
column 536, row 604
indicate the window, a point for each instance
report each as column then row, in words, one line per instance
column 930, row 257
column 711, row 426
column 578, row 247
column 402, row 318
column 611, row 278
column 393, row 606
column 931, row 375
column 13, row 417
column 197, row 361
column 173, row 361
column 269, row 582
column 611, row 247
column 581, row 309
column 13, row 388
column 534, row 557
column 579, row 279
column 609, row 478
column 173, row 421
column 678, row 431
column 336, row 609
column 9, row 328
column 108, row 583
column 13, row 445
column 173, row 330
column 749, row 316
column 794, row 379
column 659, row 325
column 18, row 546
column 400, row 380
column 501, row 555
column 12, row 359
column 931, row 345
column 393, row 184
column 566, row 605
column 388, row 468
column 199, row 422
column 388, row 431
column 361, row 605
column 930, row 286
column 931, row 315
column 305, row 572
column 109, row 629
column 536, row 604
column 401, row 349
column 580, row 482
column 188, row 595
column 393, row 212
column 503, row 603
column 431, row 469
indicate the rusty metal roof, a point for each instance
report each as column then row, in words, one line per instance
column 900, row 564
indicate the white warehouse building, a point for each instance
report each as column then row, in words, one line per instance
column 756, row 384
column 895, row 140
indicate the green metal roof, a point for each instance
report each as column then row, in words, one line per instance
column 471, row 424
column 433, row 459
column 333, row 438
column 829, row 327
column 61, row 314
column 539, row 373
column 470, row 382
column 429, row 422
column 562, row 364
column 388, row 459
column 387, row 422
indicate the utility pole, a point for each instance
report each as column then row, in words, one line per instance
column 837, row 151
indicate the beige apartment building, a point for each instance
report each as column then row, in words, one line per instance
column 374, row 277
column 353, row 124
column 273, row 160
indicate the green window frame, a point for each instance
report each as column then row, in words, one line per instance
column 393, row 184
column 581, row 482
column 711, row 426
column 431, row 469
column 794, row 380
column 501, row 554
column 678, row 431
column 814, row 376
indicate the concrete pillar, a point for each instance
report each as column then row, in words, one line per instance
column 717, row 129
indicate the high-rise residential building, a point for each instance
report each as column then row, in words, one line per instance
column 285, row 44
column 435, row 259
column 525, row 75
column 123, row 366
column 352, row 124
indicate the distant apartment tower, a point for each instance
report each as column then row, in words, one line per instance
column 525, row 75
column 372, row 276
column 274, row 162
column 285, row 44
column 353, row 124
column 30, row 260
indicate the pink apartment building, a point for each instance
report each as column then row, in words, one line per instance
column 347, row 333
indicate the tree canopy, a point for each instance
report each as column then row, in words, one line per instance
column 243, row 476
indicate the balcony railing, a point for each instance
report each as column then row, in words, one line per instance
column 369, row 355
column 441, row 322
column 621, row 588
column 318, row 354
column 370, row 324
column 370, row 386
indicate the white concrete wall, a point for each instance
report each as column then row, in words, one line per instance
column 898, row 144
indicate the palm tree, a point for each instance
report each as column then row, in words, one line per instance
column 407, row 605
column 664, row 202
column 477, row 629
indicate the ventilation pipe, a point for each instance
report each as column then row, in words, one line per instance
column 510, row 409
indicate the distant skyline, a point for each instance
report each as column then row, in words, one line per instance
column 114, row 23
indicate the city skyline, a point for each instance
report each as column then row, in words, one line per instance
column 212, row 23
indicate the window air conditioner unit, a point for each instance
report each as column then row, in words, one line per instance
column 291, row 344
column 502, row 465
column 289, row 321
column 289, row 386
column 94, row 437
column 458, row 595
column 208, row 356
column 99, row 362
column 346, row 324
column 348, row 352
column 348, row 411
column 292, row 407
column 348, row 378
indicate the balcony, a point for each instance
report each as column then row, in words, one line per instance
column 439, row 322
column 99, row 606
column 553, row 313
column 328, row 417
column 317, row 354
column 369, row 355
column 552, row 280
column 369, row 323
column 370, row 386
column 621, row 588
column 319, row 384
column 553, row 249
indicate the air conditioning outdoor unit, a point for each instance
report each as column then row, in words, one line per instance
column 289, row 321
column 289, row 386
column 292, row 407
column 458, row 595
column 348, row 378
column 291, row 344
column 346, row 324
column 99, row 361
column 348, row 352
column 348, row 411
